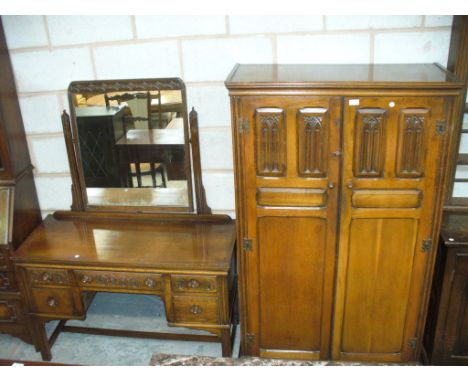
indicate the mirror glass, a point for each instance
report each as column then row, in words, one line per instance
column 6, row 214
column 133, row 142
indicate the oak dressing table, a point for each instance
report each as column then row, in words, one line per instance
column 178, row 251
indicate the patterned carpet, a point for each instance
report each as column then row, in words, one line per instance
column 180, row 360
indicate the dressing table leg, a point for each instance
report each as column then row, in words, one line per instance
column 42, row 340
column 226, row 342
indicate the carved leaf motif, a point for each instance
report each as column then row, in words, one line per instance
column 312, row 143
column 369, row 144
column 413, row 146
column 116, row 86
column 270, row 142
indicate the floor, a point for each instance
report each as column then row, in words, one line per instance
column 121, row 311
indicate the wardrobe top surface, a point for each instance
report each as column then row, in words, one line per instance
column 341, row 75
column 132, row 244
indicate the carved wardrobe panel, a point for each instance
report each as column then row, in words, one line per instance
column 340, row 175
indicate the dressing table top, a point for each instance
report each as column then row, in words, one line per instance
column 206, row 246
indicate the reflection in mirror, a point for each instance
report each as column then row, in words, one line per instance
column 133, row 145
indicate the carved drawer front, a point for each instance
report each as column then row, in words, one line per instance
column 53, row 301
column 44, row 276
column 8, row 281
column 195, row 309
column 8, row 311
column 187, row 283
column 119, row 280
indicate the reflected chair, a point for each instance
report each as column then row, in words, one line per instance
column 142, row 104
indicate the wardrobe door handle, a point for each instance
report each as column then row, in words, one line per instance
column 349, row 185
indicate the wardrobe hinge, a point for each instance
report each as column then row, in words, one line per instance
column 441, row 127
column 413, row 342
column 426, row 245
column 243, row 125
column 247, row 244
column 250, row 338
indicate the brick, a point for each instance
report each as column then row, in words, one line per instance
column 49, row 154
column 213, row 59
column 52, row 69
column 219, row 188
column 211, row 103
column 216, row 149
column 24, row 31
column 41, row 114
column 350, row 48
column 170, row 26
column 412, row 47
column 54, row 192
column 144, row 60
column 372, row 22
column 65, row 30
column 274, row 24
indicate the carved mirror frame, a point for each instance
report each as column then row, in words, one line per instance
column 192, row 147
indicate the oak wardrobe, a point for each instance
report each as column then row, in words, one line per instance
column 340, row 174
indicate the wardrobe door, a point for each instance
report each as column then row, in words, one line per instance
column 288, row 157
column 393, row 156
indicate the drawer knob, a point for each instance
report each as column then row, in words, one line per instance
column 331, row 185
column 193, row 284
column 196, row 309
column 86, row 279
column 46, row 276
column 150, row 283
column 52, row 302
column 349, row 185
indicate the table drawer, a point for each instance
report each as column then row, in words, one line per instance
column 53, row 301
column 119, row 280
column 188, row 283
column 195, row 309
column 47, row 277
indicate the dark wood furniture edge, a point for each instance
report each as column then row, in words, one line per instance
column 149, row 217
column 202, row 206
column 352, row 85
column 458, row 65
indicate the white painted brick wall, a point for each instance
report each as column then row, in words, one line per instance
column 412, row 47
column 212, row 60
column 25, row 31
column 49, row 70
column 48, row 154
column 137, row 60
column 372, row 22
column 274, row 24
column 67, row 30
column 170, row 26
column 211, row 103
column 41, row 113
column 49, row 52
column 318, row 49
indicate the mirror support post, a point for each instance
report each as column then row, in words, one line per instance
column 70, row 142
column 202, row 206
